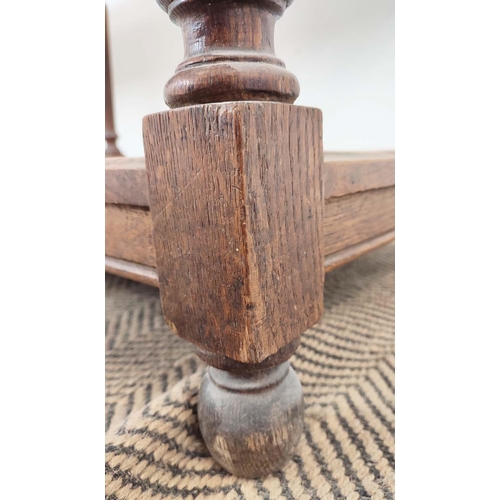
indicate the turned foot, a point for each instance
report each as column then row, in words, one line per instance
column 251, row 422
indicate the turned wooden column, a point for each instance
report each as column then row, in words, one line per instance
column 110, row 134
column 234, row 173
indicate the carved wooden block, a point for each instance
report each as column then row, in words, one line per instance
column 236, row 202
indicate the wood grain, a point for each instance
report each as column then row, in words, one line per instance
column 128, row 234
column 348, row 221
column 341, row 257
column 360, row 216
column 237, row 223
column 346, row 173
column 149, row 275
column 125, row 182
column 343, row 173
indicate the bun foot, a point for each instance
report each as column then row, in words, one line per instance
column 251, row 422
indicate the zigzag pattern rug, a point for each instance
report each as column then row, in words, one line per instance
column 346, row 364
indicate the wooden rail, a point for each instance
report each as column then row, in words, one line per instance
column 358, row 214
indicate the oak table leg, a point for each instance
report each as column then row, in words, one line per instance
column 235, row 185
column 110, row 134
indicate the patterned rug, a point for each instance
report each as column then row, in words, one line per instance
column 346, row 365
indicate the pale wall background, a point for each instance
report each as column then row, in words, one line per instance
column 342, row 52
